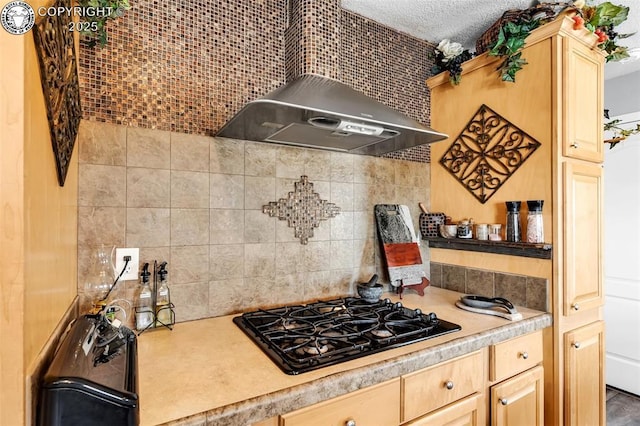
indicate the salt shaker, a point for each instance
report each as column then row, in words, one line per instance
column 535, row 227
column 513, row 231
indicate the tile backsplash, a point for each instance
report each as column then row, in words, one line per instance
column 196, row 202
column 521, row 290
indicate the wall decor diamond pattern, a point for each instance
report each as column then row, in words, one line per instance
column 487, row 152
column 302, row 209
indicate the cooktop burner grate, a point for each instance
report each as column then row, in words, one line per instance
column 301, row 338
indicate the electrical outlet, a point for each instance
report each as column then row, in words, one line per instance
column 131, row 273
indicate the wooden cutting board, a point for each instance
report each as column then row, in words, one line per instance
column 400, row 247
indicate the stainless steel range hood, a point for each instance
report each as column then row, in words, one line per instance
column 318, row 112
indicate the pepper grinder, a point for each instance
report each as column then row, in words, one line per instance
column 513, row 231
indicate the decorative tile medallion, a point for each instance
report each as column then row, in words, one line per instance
column 302, row 209
column 487, row 152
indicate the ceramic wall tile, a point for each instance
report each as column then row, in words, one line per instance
column 104, row 185
column 102, row 143
column 435, row 277
column 537, row 293
column 260, row 159
column 364, row 226
column 317, row 285
column 226, row 156
column 190, row 152
column 454, row 278
column 189, row 227
column 341, row 254
column 341, row 226
column 259, row 227
column 364, row 253
column 191, row 301
column 148, row 148
column 317, row 256
column 226, row 261
column 480, row 282
column 226, row 226
column 342, row 195
column 511, row 287
column 189, row 264
column 228, row 296
column 290, row 257
column 290, row 162
column 318, row 165
column 148, row 187
column 226, row 191
column 101, row 225
column 189, row 189
column 259, row 191
column 342, row 167
column 148, row 227
column 259, row 260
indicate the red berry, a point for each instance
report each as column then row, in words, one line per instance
column 602, row 36
column 578, row 22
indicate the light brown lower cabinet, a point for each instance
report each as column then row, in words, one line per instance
column 446, row 394
column 584, row 375
column 519, row 401
column 376, row 405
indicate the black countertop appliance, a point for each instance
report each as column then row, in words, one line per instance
column 92, row 379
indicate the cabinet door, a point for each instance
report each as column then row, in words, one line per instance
column 583, row 101
column 377, row 405
column 584, row 385
column 519, row 400
column 583, row 237
column 467, row 412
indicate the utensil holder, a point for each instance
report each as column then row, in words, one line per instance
column 429, row 224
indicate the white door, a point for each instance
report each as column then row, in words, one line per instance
column 622, row 261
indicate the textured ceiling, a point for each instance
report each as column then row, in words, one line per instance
column 464, row 21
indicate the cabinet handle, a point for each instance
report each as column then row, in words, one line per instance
column 503, row 401
column 448, row 384
column 576, row 345
column 524, row 355
column 575, row 306
column 350, row 422
column 574, row 145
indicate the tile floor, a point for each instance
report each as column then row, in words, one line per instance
column 623, row 409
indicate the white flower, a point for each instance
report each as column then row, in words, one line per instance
column 449, row 49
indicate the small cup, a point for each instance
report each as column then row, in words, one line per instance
column 495, row 232
column 482, row 231
column 449, row 231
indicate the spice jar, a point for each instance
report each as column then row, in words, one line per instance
column 513, row 231
column 482, row 231
column 535, row 228
column 465, row 228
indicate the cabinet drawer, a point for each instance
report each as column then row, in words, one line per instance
column 376, row 405
column 513, row 356
column 437, row 386
column 467, row 412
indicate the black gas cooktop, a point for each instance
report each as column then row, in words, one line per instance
column 301, row 338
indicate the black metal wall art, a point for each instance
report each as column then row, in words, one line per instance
column 487, row 152
column 59, row 79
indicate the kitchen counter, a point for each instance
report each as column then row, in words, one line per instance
column 210, row 371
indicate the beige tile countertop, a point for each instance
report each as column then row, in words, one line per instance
column 209, row 371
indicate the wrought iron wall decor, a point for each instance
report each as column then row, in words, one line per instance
column 59, row 78
column 487, row 152
column 302, row 209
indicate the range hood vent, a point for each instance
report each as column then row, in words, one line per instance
column 318, row 112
